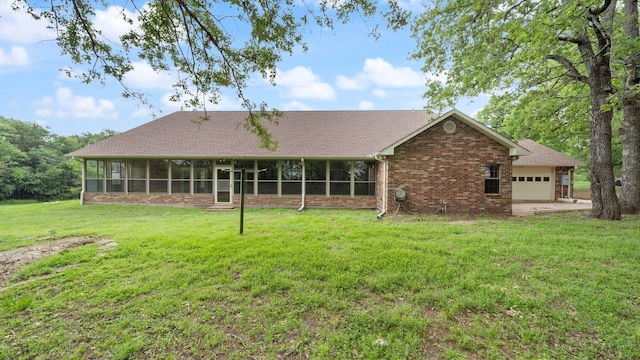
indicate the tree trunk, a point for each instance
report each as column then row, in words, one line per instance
column 603, row 192
column 630, row 194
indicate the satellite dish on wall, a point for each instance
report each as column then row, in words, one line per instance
column 400, row 195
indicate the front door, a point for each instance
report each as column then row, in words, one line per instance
column 223, row 185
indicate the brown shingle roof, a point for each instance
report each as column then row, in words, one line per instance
column 544, row 156
column 300, row 134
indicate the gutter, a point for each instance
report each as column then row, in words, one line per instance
column 303, row 186
column 384, row 186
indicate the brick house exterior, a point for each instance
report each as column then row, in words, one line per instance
column 433, row 169
column 341, row 159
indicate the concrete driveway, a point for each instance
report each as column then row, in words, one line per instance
column 533, row 208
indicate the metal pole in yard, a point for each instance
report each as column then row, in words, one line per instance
column 242, row 172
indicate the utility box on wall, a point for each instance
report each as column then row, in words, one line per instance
column 564, row 180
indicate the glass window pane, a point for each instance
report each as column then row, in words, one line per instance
column 203, row 169
column 137, row 186
column 180, row 187
column 292, row 188
column 316, row 188
column 268, row 179
column 180, row 169
column 95, row 169
column 94, row 185
column 365, row 189
column 291, row 170
column 492, row 179
column 203, row 186
column 115, row 169
column 243, row 164
column 340, row 170
column 267, row 187
column 364, row 171
column 158, row 169
column 158, row 186
column 115, row 185
column 271, row 170
column 315, row 170
column 137, row 169
column 340, row 188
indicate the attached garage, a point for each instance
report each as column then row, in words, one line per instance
column 544, row 175
column 533, row 183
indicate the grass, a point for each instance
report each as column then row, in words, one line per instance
column 322, row 284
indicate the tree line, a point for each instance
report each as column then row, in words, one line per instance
column 33, row 165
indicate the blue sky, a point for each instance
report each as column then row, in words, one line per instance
column 344, row 69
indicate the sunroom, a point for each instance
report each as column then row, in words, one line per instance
column 217, row 181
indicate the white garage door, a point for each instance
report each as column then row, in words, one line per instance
column 533, row 183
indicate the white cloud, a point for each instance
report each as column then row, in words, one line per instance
column 296, row 105
column 18, row 27
column 380, row 73
column 144, row 77
column 17, row 57
column 67, row 105
column 302, row 83
column 346, row 83
column 383, row 74
column 380, row 93
column 366, row 105
column 112, row 23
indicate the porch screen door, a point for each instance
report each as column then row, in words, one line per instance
column 223, row 185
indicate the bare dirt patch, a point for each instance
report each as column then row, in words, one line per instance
column 13, row 260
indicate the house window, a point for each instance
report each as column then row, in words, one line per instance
column 249, row 176
column 180, row 176
column 545, row 179
column 268, row 179
column 340, row 178
column 203, row 176
column 137, row 180
column 315, row 175
column 492, row 179
column 158, row 176
column 364, row 177
column 291, row 177
column 115, row 176
column 94, row 176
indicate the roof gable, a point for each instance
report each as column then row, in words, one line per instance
column 514, row 149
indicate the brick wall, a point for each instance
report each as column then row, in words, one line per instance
column 436, row 166
column 562, row 170
column 289, row 201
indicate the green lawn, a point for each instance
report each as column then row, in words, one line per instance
column 320, row 284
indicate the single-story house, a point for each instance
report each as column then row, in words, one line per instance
column 385, row 160
column 544, row 175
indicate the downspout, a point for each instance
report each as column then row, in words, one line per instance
column 384, row 188
column 303, row 187
column 84, row 174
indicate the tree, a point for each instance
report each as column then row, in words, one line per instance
column 33, row 164
column 557, row 121
column 630, row 99
column 515, row 46
column 212, row 44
